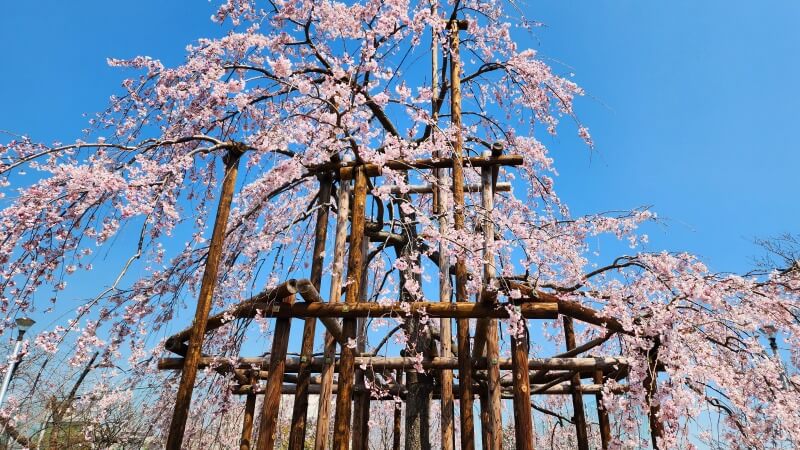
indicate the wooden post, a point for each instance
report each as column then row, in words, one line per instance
column 326, row 385
column 445, row 290
column 602, row 414
column 464, row 366
column 398, row 419
column 361, row 402
column 297, row 434
column 355, row 261
column 245, row 443
column 492, row 339
column 268, row 428
column 521, row 387
column 189, row 375
column 577, row 397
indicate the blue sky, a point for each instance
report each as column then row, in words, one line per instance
column 693, row 105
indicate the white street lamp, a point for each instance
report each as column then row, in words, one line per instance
column 23, row 324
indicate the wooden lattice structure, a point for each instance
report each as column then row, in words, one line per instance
column 455, row 369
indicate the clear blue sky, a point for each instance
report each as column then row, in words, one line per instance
column 693, row 104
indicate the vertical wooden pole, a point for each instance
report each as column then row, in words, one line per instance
column 245, row 443
column 445, row 290
column 602, row 414
column 577, row 397
column 523, row 419
column 209, row 282
column 297, row 434
column 464, row 361
column 651, row 389
column 268, row 429
column 337, row 269
column 355, row 261
column 483, row 396
column 361, row 402
column 398, row 419
column 492, row 339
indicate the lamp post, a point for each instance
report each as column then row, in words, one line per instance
column 23, row 325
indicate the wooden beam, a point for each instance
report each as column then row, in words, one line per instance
column 577, row 399
column 447, row 406
column 345, row 170
column 495, row 429
column 523, row 418
column 309, row 293
column 602, row 414
column 558, row 389
column 244, row 309
column 429, row 188
column 183, row 398
column 335, row 294
column 297, row 433
column 341, row 437
column 399, row 362
column 246, row 441
column 458, row 310
column 457, row 163
column 268, row 428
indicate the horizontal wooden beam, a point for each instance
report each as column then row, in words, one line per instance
column 559, row 389
column 428, row 188
column 246, row 308
column 380, row 362
column 463, row 310
column 345, row 169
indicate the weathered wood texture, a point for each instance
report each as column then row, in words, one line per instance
column 246, row 441
column 602, row 414
column 335, row 293
column 268, row 428
column 523, row 418
column 495, row 423
column 399, row 362
column 297, row 433
column 189, row 375
column 457, row 162
column 579, row 417
column 355, row 262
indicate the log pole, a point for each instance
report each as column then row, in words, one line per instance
column 495, row 423
column 246, row 441
column 297, row 434
column 268, row 429
column 189, row 375
column 445, row 290
column 328, row 367
column 521, row 387
column 602, row 414
column 355, row 261
column 465, row 368
column 577, row 397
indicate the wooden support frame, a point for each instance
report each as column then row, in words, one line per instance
column 341, row 437
column 189, row 375
column 337, row 269
column 586, row 364
column 495, row 415
column 579, row 417
column 602, row 414
column 523, row 418
column 272, row 395
column 297, row 433
column 246, row 441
